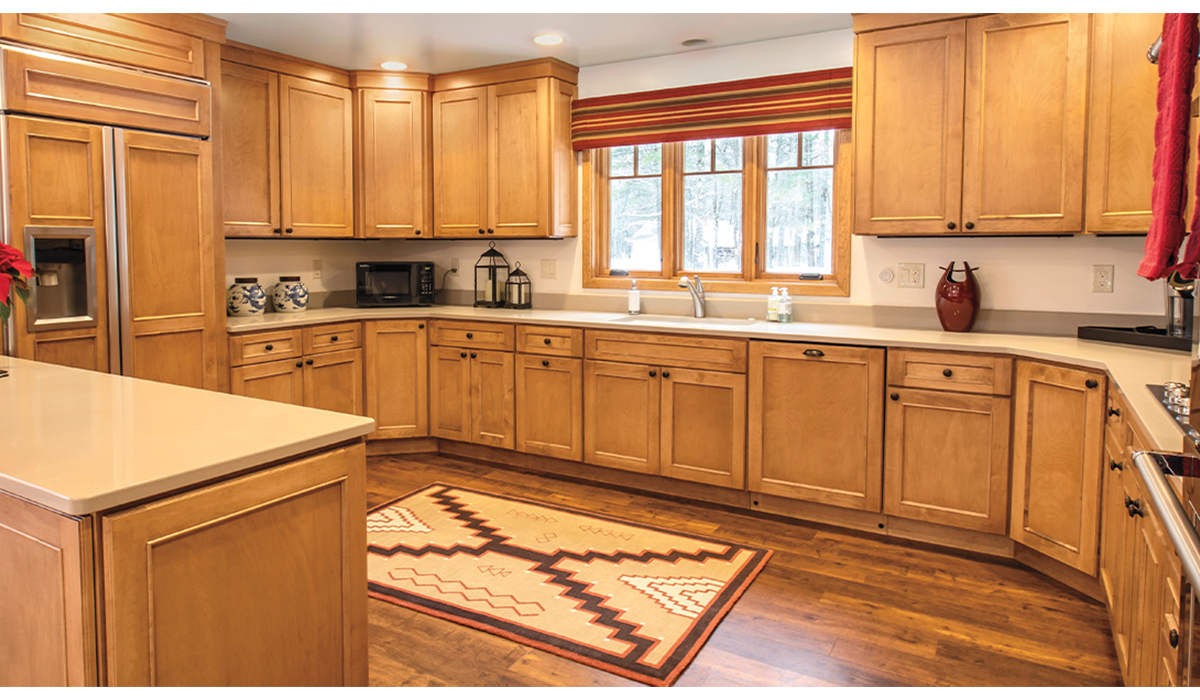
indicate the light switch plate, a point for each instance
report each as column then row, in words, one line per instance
column 1102, row 279
column 549, row 269
column 911, row 275
column 317, row 268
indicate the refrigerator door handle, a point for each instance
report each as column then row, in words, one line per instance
column 115, row 273
column 123, row 297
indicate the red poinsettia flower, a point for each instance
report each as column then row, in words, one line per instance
column 14, row 271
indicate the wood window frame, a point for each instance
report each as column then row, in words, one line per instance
column 752, row 279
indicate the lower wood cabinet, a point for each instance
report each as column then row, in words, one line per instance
column 1117, row 533
column 396, row 378
column 331, row 381
column 1058, row 443
column 281, row 380
column 472, row 395
column 947, row 458
column 549, row 406
column 816, row 423
column 678, row 422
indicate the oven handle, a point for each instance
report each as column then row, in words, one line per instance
column 1175, row 521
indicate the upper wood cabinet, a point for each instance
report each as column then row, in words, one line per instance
column 972, row 126
column 502, row 160
column 287, row 155
column 1058, row 443
column 1123, row 108
column 816, row 423
column 393, row 177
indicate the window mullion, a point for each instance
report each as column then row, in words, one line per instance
column 672, row 208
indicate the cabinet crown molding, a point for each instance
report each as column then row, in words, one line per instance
column 385, row 80
column 507, row 72
column 874, row 21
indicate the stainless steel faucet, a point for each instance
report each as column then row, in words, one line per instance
column 697, row 291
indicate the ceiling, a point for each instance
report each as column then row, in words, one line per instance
column 440, row 43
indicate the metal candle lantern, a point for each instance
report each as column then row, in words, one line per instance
column 519, row 289
column 491, row 274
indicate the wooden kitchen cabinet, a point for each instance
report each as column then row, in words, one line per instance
column 472, row 395
column 1123, row 109
column 203, row 588
column 287, row 155
column 396, row 382
column 1058, row 445
column 1116, row 549
column 393, row 172
column 621, row 413
column 549, row 406
column 703, row 426
column 816, row 423
column 317, row 366
column 502, row 160
column 947, row 458
column 951, row 143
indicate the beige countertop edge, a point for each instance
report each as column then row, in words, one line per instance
column 1130, row 367
column 124, row 496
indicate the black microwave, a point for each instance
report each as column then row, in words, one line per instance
column 394, row 283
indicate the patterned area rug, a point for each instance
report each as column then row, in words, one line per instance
column 634, row 600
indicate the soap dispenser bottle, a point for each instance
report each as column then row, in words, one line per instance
column 635, row 299
column 773, row 305
column 785, row 307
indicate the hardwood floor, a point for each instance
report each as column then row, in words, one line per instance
column 831, row 608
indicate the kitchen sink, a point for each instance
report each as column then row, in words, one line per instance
column 651, row 319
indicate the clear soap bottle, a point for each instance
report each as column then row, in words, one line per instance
column 773, row 305
column 635, row 299
column 785, row 307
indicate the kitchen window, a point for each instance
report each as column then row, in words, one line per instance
column 744, row 213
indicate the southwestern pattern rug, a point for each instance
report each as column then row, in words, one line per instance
column 631, row 599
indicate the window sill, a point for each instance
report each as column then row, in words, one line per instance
column 822, row 288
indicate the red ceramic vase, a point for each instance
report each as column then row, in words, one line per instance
column 957, row 303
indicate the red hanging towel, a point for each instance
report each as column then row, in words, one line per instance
column 1176, row 69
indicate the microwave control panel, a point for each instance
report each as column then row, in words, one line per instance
column 425, row 283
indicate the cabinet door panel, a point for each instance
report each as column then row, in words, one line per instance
column 172, row 323
column 56, row 178
column 316, row 158
column 1024, row 123
column 549, row 406
column 205, row 588
column 908, row 99
column 333, row 381
column 519, row 162
column 621, row 416
column 492, row 398
column 1058, row 442
column 816, row 423
column 704, row 427
column 397, row 386
column 1114, row 557
column 460, row 162
column 249, row 150
column 393, row 185
column 1123, row 108
column 281, row 381
column 450, row 394
column 947, row 459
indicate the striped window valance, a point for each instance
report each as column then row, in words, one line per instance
column 777, row 104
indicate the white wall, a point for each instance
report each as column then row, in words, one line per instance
column 1035, row 274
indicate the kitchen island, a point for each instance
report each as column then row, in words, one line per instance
column 159, row 535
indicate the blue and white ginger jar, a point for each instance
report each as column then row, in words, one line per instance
column 246, row 297
column 290, row 295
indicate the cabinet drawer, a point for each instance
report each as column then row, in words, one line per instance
column 250, row 348
column 549, row 340
column 975, row 374
column 485, row 336
column 720, row 354
column 334, row 336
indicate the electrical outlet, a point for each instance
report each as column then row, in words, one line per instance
column 454, row 266
column 911, row 275
column 549, row 269
column 316, row 273
column 1102, row 279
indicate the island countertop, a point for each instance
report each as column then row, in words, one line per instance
column 82, row 442
column 1132, row 368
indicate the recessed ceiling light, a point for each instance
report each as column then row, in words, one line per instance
column 694, row 43
column 548, row 39
column 393, row 65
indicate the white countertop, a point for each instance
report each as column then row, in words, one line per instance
column 82, row 442
column 1132, row 368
